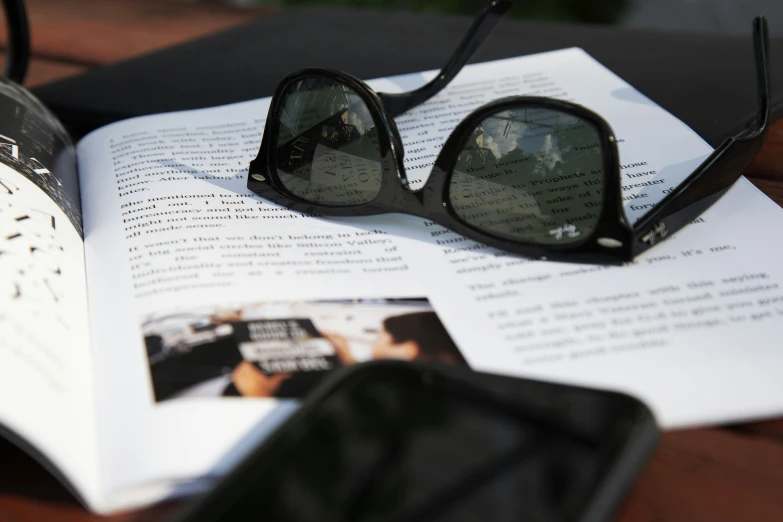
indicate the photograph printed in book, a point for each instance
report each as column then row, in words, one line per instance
column 284, row 348
column 35, row 144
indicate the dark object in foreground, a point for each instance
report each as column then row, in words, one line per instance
column 397, row 441
column 331, row 147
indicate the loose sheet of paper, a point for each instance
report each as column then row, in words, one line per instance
column 692, row 327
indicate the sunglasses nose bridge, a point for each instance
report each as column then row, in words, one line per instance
column 397, row 153
column 406, row 201
column 431, row 197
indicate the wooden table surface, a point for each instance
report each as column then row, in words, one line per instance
column 727, row 473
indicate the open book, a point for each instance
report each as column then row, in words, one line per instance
column 124, row 351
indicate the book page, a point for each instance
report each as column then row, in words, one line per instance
column 212, row 306
column 46, row 385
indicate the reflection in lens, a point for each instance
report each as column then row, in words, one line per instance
column 530, row 175
column 327, row 147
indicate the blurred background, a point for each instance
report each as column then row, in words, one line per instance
column 71, row 36
column 727, row 16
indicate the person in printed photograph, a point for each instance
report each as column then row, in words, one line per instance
column 284, row 349
column 416, row 336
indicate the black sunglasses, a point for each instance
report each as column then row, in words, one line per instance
column 330, row 147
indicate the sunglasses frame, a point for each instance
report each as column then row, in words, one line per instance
column 612, row 241
column 18, row 30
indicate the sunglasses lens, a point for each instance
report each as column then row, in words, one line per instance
column 327, row 149
column 530, row 175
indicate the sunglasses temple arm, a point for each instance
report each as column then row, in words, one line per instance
column 485, row 22
column 718, row 172
column 18, row 40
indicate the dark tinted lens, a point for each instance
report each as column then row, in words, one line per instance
column 530, row 175
column 327, row 147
